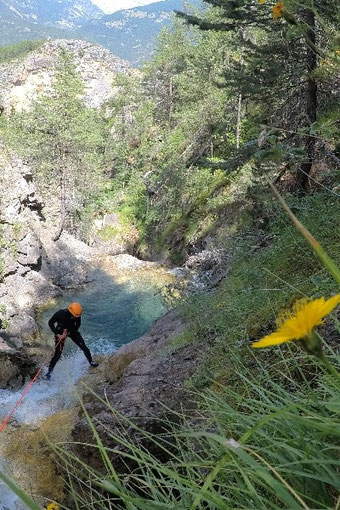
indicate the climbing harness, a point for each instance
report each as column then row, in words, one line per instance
column 61, row 342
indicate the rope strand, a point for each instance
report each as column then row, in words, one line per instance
column 3, row 425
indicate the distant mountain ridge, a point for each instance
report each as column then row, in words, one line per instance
column 50, row 11
column 129, row 33
column 38, row 19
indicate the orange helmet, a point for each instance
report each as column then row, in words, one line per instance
column 75, row 309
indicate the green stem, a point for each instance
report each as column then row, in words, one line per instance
column 330, row 367
column 209, row 480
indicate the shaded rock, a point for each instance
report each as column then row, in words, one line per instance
column 22, row 326
column 29, row 249
column 4, row 347
column 16, row 368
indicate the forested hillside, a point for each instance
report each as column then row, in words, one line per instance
column 243, row 95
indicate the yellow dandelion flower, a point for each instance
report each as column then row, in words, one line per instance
column 299, row 324
column 261, row 2
column 278, row 9
column 52, row 506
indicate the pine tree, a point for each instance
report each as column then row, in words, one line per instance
column 64, row 140
column 272, row 62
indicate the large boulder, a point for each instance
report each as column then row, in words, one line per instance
column 29, row 250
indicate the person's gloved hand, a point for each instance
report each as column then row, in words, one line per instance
column 63, row 336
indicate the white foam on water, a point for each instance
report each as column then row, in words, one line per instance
column 102, row 346
column 47, row 397
column 8, row 500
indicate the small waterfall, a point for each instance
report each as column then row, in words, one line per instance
column 47, row 397
column 114, row 314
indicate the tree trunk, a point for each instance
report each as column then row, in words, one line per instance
column 238, row 124
column 170, row 101
column 311, row 104
column 62, row 199
column 62, row 207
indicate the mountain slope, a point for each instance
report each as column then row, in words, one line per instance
column 32, row 19
column 22, row 82
column 49, row 11
column 129, row 33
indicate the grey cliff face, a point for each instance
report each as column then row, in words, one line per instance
column 22, row 82
column 34, row 269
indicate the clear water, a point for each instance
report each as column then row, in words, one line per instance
column 114, row 314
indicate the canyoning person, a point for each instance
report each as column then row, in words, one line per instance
column 64, row 323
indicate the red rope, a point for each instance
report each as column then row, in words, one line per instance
column 61, row 340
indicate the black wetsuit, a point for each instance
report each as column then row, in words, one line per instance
column 63, row 319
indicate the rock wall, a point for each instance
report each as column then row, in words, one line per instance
column 33, row 269
column 23, row 81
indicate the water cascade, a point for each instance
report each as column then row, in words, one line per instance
column 116, row 311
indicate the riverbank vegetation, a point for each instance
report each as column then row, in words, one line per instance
column 264, row 434
column 244, row 94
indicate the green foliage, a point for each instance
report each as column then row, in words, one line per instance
column 19, row 50
column 17, row 230
column 264, row 55
column 214, row 100
column 63, row 140
column 263, row 282
column 169, row 146
column 3, row 317
column 108, row 232
column 161, row 126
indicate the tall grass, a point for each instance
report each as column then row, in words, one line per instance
column 266, row 434
column 258, row 446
